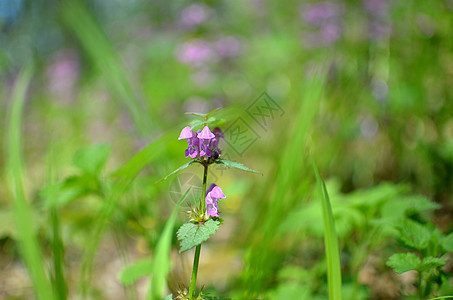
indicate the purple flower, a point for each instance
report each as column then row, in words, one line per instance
column 227, row 46
column 203, row 143
column 195, row 52
column 325, row 20
column 206, row 134
column 213, row 194
column 320, row 13
column 186, row 133
column 378, row 14
column 194, row 15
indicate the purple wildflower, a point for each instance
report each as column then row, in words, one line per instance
column 378, row 14
column 325, row 20
column 213, row 194
column 202, row 143
column 195, row 52
column 227, row 46
column 186, row 133
column 194, row 15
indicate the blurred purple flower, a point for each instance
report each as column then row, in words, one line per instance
column 377, row 7
column 194, row 15
column 227, row 46
column 325, row 18
column 213, row 194
column 321, row 13
column 195, row 52
column 330, row 33
column 63, row 73
column 378, row 12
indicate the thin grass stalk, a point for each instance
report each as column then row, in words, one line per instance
column 22, row 212
column 330, row 240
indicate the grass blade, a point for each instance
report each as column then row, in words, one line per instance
column 330, row 239
column 102, row 53
column 58, row 280
column 23, row 214
column 161, row 265
column 264, row 258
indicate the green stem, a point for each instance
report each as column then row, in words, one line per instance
column 203, row 202
column 193, row 280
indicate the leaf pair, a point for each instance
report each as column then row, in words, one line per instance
column 220, row 161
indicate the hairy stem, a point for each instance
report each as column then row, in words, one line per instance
column 193, row 280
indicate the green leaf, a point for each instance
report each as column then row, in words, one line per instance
column 413, row 234
column 203, row 115
column 235, row 165
column 330, row 239
column 196, row 124
column 403, row 262
column 212, row 122
column 421, row 203
column 431, row 263
column 92, row 159
column 447, row 242
column 191, row 235
column 195, row 114
column 133, row 272
column 168, row 297
column 177, row 170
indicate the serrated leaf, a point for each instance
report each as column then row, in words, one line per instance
column 235, row 165
column 421, row 203
column 403, row 262
column 177, row 170
column 133, row 272
column 191, row 235
column 447, row 242
column 413, row 234
column 91, row 159
column 431, row 263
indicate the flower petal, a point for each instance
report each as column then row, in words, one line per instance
column 186, row 133
column 217, row 193
column 206, row 134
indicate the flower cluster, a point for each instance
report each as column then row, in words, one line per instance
column 213, row 194
column 203, row 143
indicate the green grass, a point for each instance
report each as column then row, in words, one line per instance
column 122, row 179
column 161, row 260
column 24, row 217
column 330, row 239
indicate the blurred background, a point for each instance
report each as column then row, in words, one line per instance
column 365, row 86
